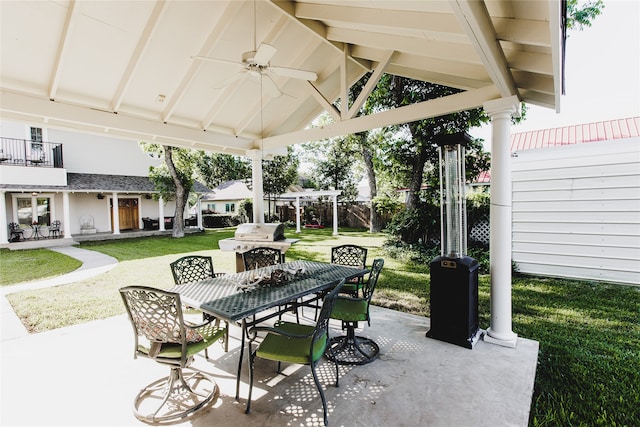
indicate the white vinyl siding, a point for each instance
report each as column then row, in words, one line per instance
column 576, row 211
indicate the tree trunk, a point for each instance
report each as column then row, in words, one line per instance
column 181, row 199
column 417, row 170
column 375, row 224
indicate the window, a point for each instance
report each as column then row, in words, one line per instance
column 230, row 207
column 36, row 134
column 36, row 142
column 33, row 209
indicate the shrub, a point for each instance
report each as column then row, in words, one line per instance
column 220, row 221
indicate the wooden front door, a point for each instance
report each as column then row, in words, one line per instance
column 128, row 213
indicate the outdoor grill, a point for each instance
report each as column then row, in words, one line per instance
column 254, row 235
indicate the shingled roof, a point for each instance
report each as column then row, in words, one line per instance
column 102, row 183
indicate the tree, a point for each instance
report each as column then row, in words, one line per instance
column 334, row 168
column 278, row 174
column 214, row 169
column 415, row 148
column 174, row 179
column 579, row 16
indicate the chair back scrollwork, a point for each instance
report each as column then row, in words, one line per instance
column 261, row 257
column 191, row 268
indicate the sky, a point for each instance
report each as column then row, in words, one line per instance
column 602, row 73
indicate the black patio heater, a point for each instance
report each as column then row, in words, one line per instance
column 454, row 275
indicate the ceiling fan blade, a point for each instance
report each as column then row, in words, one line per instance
column 270, row 86
column 264, row 54
column 294, row 73
column 226, row 61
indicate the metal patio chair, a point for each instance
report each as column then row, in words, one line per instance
column 261, row 257
column 162, row 334
column 193, row 268
column 353, row 256
column 54, row 228
column 16, row 233
column 350, row 349
column 295, row 343
column 264, row 257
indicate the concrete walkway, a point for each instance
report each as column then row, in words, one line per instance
column 93, row 263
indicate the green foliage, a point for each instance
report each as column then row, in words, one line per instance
column 280, row 173
column 245, row 210
column 184, row 163
column 478, row 198
column 220, row 221
column 334, row 166
column 415, row 225
column 412, row 253
column 215, row 168
column 388, row 205
column 582, row 14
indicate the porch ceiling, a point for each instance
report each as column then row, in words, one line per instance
column 127, row 68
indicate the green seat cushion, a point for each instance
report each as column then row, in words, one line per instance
column 206, row 336
column 352, row 310
column 292, row 350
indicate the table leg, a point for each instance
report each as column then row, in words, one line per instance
column 244, row 334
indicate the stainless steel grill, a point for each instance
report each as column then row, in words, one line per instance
column 252, row 235
column 270, row 232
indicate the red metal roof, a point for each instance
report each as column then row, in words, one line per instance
column 576, row 134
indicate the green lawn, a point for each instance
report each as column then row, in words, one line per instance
column 589, row 362
column 34, row 264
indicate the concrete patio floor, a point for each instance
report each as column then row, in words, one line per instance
column 86, row 375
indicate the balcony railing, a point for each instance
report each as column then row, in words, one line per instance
column 24, row 152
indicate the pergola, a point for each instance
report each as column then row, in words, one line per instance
column 304, row 194
column 141, row 70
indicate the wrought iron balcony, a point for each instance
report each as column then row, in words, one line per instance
column 24, row 152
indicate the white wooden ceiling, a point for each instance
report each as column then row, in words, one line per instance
column 126, row 68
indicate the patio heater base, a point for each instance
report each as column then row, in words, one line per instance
column 175, row 397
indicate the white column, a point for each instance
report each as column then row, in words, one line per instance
column 161, row 214
column 66, row 216
column 258, row 192
column 199, row 213
column 335, row 215
column 297, row 214
column 116, row 213
column 4, row 231
column 500, row 331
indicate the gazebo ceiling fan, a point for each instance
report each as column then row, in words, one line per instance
column 256, row 64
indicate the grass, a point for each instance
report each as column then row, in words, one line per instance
column 589, row 362
column 28, row 265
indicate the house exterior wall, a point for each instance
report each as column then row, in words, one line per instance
column 90, row 153
column 576, row 211
column 82, row 153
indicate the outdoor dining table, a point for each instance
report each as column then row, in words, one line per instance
column 235, row 299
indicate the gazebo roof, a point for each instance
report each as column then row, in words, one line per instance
column 131, row 68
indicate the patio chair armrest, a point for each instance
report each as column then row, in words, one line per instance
column 209, row 319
